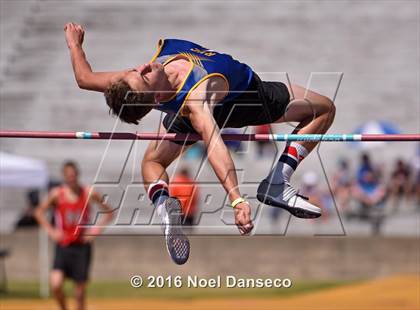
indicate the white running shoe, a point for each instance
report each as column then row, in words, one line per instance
column 285, row 196
column 177, row 243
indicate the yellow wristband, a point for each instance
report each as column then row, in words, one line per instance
column 237, row 201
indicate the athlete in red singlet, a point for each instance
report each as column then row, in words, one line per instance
column 71, row 202
column 68, row 215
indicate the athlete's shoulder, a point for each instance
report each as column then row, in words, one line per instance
column 55, row 191
column 171, row 46
column 87, row 190
column 91, row 194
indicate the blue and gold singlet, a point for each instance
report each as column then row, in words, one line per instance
column 205, row 63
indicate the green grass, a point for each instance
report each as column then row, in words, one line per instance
column 27, row 290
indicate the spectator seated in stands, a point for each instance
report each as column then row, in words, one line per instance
column 370, row 193
column 311, row 189
column 342, row 184
column 400, row 184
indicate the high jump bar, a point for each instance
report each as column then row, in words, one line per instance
column 195, row 137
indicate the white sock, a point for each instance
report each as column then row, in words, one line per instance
column 292, row 155
column 158, row 192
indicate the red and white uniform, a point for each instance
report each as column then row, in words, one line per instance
column 70, row 214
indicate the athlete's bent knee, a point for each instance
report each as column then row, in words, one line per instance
column 328, row 106
column 332, row 110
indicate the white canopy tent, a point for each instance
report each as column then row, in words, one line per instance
column 22, row 172
column 25, row 172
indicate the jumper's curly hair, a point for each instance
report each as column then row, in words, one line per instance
column 130, row 106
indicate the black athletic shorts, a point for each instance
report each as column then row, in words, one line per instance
column 262, row 103
column 74, row 261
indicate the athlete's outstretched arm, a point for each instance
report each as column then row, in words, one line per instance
column 218, row 155
column 217, row 152
column 85, row 77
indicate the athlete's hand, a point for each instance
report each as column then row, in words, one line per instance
column 91, row 234
column 56, row 235
column 243, row 218
column 74, row 35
